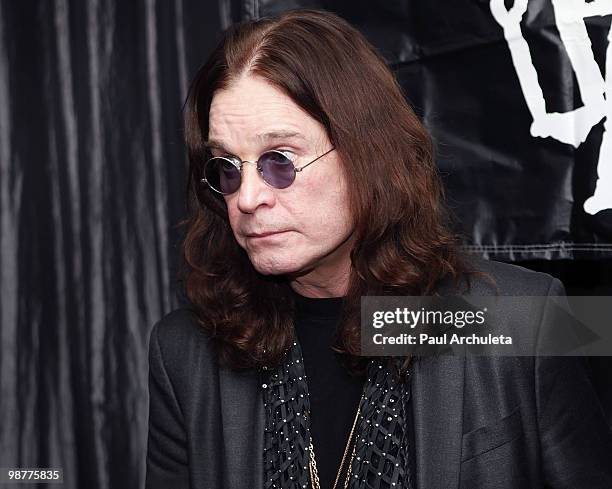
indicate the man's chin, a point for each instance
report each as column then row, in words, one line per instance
column 290, row 270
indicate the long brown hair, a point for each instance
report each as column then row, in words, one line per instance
column 404, row 245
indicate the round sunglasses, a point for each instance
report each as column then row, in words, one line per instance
column 223, row 173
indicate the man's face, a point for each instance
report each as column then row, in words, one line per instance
column 310, row 218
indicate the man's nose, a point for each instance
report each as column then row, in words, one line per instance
column 253, row 191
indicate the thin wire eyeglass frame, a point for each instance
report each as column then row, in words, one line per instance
column 238, row 163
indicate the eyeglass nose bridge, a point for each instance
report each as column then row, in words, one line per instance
column 238, row 163
column 256, row 163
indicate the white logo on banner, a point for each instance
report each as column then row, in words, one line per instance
column 568, row 127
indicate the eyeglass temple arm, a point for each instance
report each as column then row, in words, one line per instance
column 307, row 164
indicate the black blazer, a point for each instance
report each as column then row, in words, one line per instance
column 479, row 422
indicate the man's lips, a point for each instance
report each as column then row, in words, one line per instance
column 263, row 235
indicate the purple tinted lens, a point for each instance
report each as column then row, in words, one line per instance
column 276, row 169
column 222, row 175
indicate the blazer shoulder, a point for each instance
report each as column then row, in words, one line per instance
column 181, row 341
column 509, row 279
column 178, row 327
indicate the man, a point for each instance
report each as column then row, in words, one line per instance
column 312, row 184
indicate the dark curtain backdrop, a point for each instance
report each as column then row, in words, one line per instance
column 91, row 190
column 92, row 173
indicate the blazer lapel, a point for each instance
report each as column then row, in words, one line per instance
column 242, row 414
column 437, row 397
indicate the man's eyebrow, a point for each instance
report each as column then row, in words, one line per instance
column 264, row 138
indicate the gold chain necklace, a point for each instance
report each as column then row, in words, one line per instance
column 312, row 464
